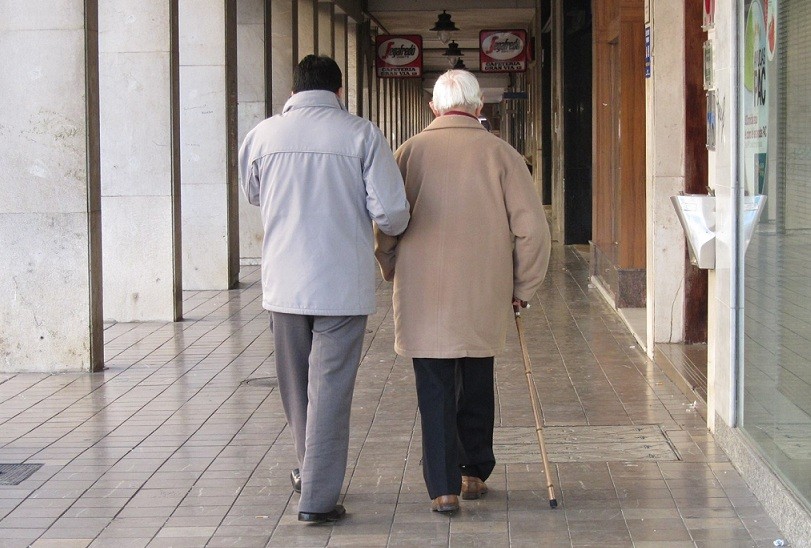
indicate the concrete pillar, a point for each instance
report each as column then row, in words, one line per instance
column 340, row 52
column 358, row 94
column 140, row 160
column 382, row 90
column 351, row 92
column 405, row 106
column 665, row 174
column 377, row 99
column 50, row 207
column 557, row 213
column 414, row 109
column 375, row 83
column 252, row 109
column 391, row 130
column 414, row 101
column 391, row 124
column 326, row 29
column 411, row 109
column 307, row 25
column 208, row 127
column 382, row 105
column 283, row 50
column 400, row 111
column 724, row 309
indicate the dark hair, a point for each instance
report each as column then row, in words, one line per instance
column 317, row 72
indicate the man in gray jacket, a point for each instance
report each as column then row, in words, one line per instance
column 320, row 176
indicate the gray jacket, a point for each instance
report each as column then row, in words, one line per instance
column 320, row 176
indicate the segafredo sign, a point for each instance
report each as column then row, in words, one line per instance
column 398, row 56
column 503, row 50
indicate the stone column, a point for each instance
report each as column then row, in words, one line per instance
column 307, row 24
column 340, row 51
column 50, row 209
column 252, row 110
column 388, row 122
column 665, row 175
column 326, row 29
column 208, row 129
column 724, row 309
column 283, row 50
column 140, row 159
column 351, row 77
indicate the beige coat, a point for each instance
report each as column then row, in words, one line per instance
column 477, row 236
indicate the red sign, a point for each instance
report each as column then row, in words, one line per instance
column 503, row 50
column 709, row 14
column 398, row 56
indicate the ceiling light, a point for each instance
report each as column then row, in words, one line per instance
column 444, row 26
column 453, row 53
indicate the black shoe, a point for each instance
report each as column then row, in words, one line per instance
column 295, row 479
column 320, row 517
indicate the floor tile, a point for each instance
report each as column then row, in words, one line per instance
column 169, row 446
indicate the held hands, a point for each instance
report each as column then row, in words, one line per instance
column 518, row 304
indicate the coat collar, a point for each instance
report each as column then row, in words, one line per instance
column 312, row 98
column 453, row 121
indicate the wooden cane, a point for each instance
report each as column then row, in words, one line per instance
column 536, row 409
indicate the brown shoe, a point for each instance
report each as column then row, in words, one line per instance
column 446, row 504
column 472, row 487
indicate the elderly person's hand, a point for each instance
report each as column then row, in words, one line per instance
column 518, row 304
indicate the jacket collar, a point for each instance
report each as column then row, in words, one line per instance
column 312, row 98
column 453, row 121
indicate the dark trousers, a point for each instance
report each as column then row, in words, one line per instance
column 456, row 402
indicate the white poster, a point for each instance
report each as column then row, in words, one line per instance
column 760, row 35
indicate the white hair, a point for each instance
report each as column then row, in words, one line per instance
column 457, row 89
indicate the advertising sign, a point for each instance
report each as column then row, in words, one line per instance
column 503, row 50
column 759, row 44
column 709, row 66
column 398, row 56
column 712, row 119
column 709, row 15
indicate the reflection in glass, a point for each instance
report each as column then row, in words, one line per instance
column 776, row 161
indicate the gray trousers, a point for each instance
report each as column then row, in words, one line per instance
column 317, row 360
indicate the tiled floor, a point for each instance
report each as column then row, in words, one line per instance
column 688, row 363
column 169, row 446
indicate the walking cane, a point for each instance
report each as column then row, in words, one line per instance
column 536, row 406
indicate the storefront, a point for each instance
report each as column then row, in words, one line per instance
column 774, row 272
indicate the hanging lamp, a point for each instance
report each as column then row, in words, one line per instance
column 453, row 53
column 444, row 26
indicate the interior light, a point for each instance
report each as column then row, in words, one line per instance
column 444, row 26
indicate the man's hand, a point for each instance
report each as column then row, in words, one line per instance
column 518, row 304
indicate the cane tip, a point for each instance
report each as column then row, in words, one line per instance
column 553, row 503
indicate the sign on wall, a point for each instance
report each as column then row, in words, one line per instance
column 759, row 44
column 398, row 56
column 503, row 50
column 709, row 15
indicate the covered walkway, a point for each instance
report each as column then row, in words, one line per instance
column 181, row 441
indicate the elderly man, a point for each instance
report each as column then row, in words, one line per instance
column 320, row 175
column 477, row 242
